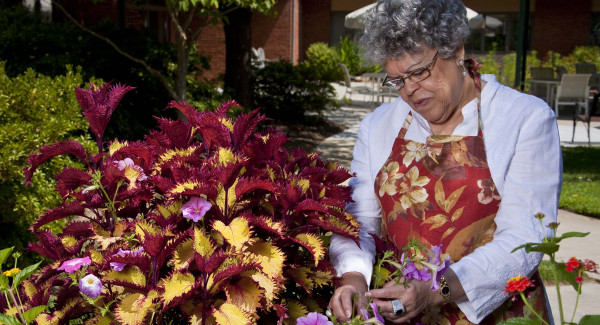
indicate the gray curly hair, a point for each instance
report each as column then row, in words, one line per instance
column 395, row 27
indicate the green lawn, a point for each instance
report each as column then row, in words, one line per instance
column 581, row 180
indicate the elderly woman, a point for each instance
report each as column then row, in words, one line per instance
column 478, row 156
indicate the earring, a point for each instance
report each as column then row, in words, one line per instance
column 461, row 63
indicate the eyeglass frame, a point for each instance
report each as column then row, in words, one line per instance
column 426, row 68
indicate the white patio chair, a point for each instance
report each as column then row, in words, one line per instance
column 573, row 91
column 357, row 89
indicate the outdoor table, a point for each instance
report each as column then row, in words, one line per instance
column 550, row 89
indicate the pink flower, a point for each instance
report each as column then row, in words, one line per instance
column 90, row 286
column 578, row 279
column 195, row 208
column 119, row 266
column 314, row 318
column 71, row 266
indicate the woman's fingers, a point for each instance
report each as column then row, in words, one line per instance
column 341, row 303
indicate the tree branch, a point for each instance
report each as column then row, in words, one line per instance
column 163, row 80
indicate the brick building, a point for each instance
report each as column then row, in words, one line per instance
column 553, row 25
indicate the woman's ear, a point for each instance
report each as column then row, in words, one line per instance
column 460, row 53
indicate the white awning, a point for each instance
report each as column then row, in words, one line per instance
column 355, row 19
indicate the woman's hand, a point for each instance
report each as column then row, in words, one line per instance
column 353, row 284
column 415, row 298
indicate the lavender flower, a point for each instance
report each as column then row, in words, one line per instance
column 195, row 208
column 71, row 266
column 376, row 313
column 90, row 286
column 314, row 318
column 119, row 266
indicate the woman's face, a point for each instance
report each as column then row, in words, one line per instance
column 439, row 97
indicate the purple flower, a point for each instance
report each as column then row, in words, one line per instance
column 314, row 318
column 365, row 314
column 376, row 313
column 435, row 285
column 119, row 266
column 195, row 208
column 410, row 271
column 90, row 286
column 128, row 163
column 71, row 266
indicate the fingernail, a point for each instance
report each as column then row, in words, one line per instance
column 348, row 313
column 367, row 294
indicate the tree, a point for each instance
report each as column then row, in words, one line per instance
column 190, row 17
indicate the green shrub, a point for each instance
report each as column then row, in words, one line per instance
column 351, row 55
column 323, row 61
column 286, row 92
column 35, row 110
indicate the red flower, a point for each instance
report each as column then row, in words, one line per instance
column 572, row 264
column 517, row 284
column 590, row 266
column 578, row 279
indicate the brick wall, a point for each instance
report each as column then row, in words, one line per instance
column 559, row 27
column 315, row 26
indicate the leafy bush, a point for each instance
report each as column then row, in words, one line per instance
column 34, row 110
column 204, row 221
column 323, row 60
column 351, row 56
column 286, row 92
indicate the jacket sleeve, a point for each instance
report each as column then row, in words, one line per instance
column 529, row 181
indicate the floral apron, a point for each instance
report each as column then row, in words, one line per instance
column 442, row 192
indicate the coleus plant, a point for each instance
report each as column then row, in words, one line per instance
column 208, row 220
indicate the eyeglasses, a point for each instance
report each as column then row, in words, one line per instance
column 415, row 76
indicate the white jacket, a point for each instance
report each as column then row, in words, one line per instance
column 524, row 156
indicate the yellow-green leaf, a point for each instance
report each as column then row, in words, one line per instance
column 68, row 241
column 130, row 274
column 314, row 244
column 245, row 294
column 176, row 285
column 295, row 310
column 202, row 244
column 183, row 255
column 237, row 233
column 225, row 155
column 267, row 284
column 134, row 307
column 168, row 210
column 143, row 227
column 116, row 145
column 229, row 314
column 270, row 256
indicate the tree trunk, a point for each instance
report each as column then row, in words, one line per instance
column 238, row 72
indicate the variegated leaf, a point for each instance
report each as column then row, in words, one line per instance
column 130, row 274
column 202, row 243
column 237, row 233
column 314, row 244
column 245, row 294
column 183, row 255
column 176, row 285
column 229, row 314
column 134, row 307
column 267, row 284
column 295, row 310
column 270, row 256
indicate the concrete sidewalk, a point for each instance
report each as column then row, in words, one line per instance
column 340, row 146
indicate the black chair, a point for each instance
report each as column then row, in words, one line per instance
column 592, row 116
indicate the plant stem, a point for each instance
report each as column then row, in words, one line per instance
column 555, row 274
column 19, row 307
column 577, row 299
column 531, row 308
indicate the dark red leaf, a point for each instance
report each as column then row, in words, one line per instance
column 59, row 148
column 70, row 179
column 69, row 209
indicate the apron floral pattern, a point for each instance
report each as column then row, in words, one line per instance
column 442, row 192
